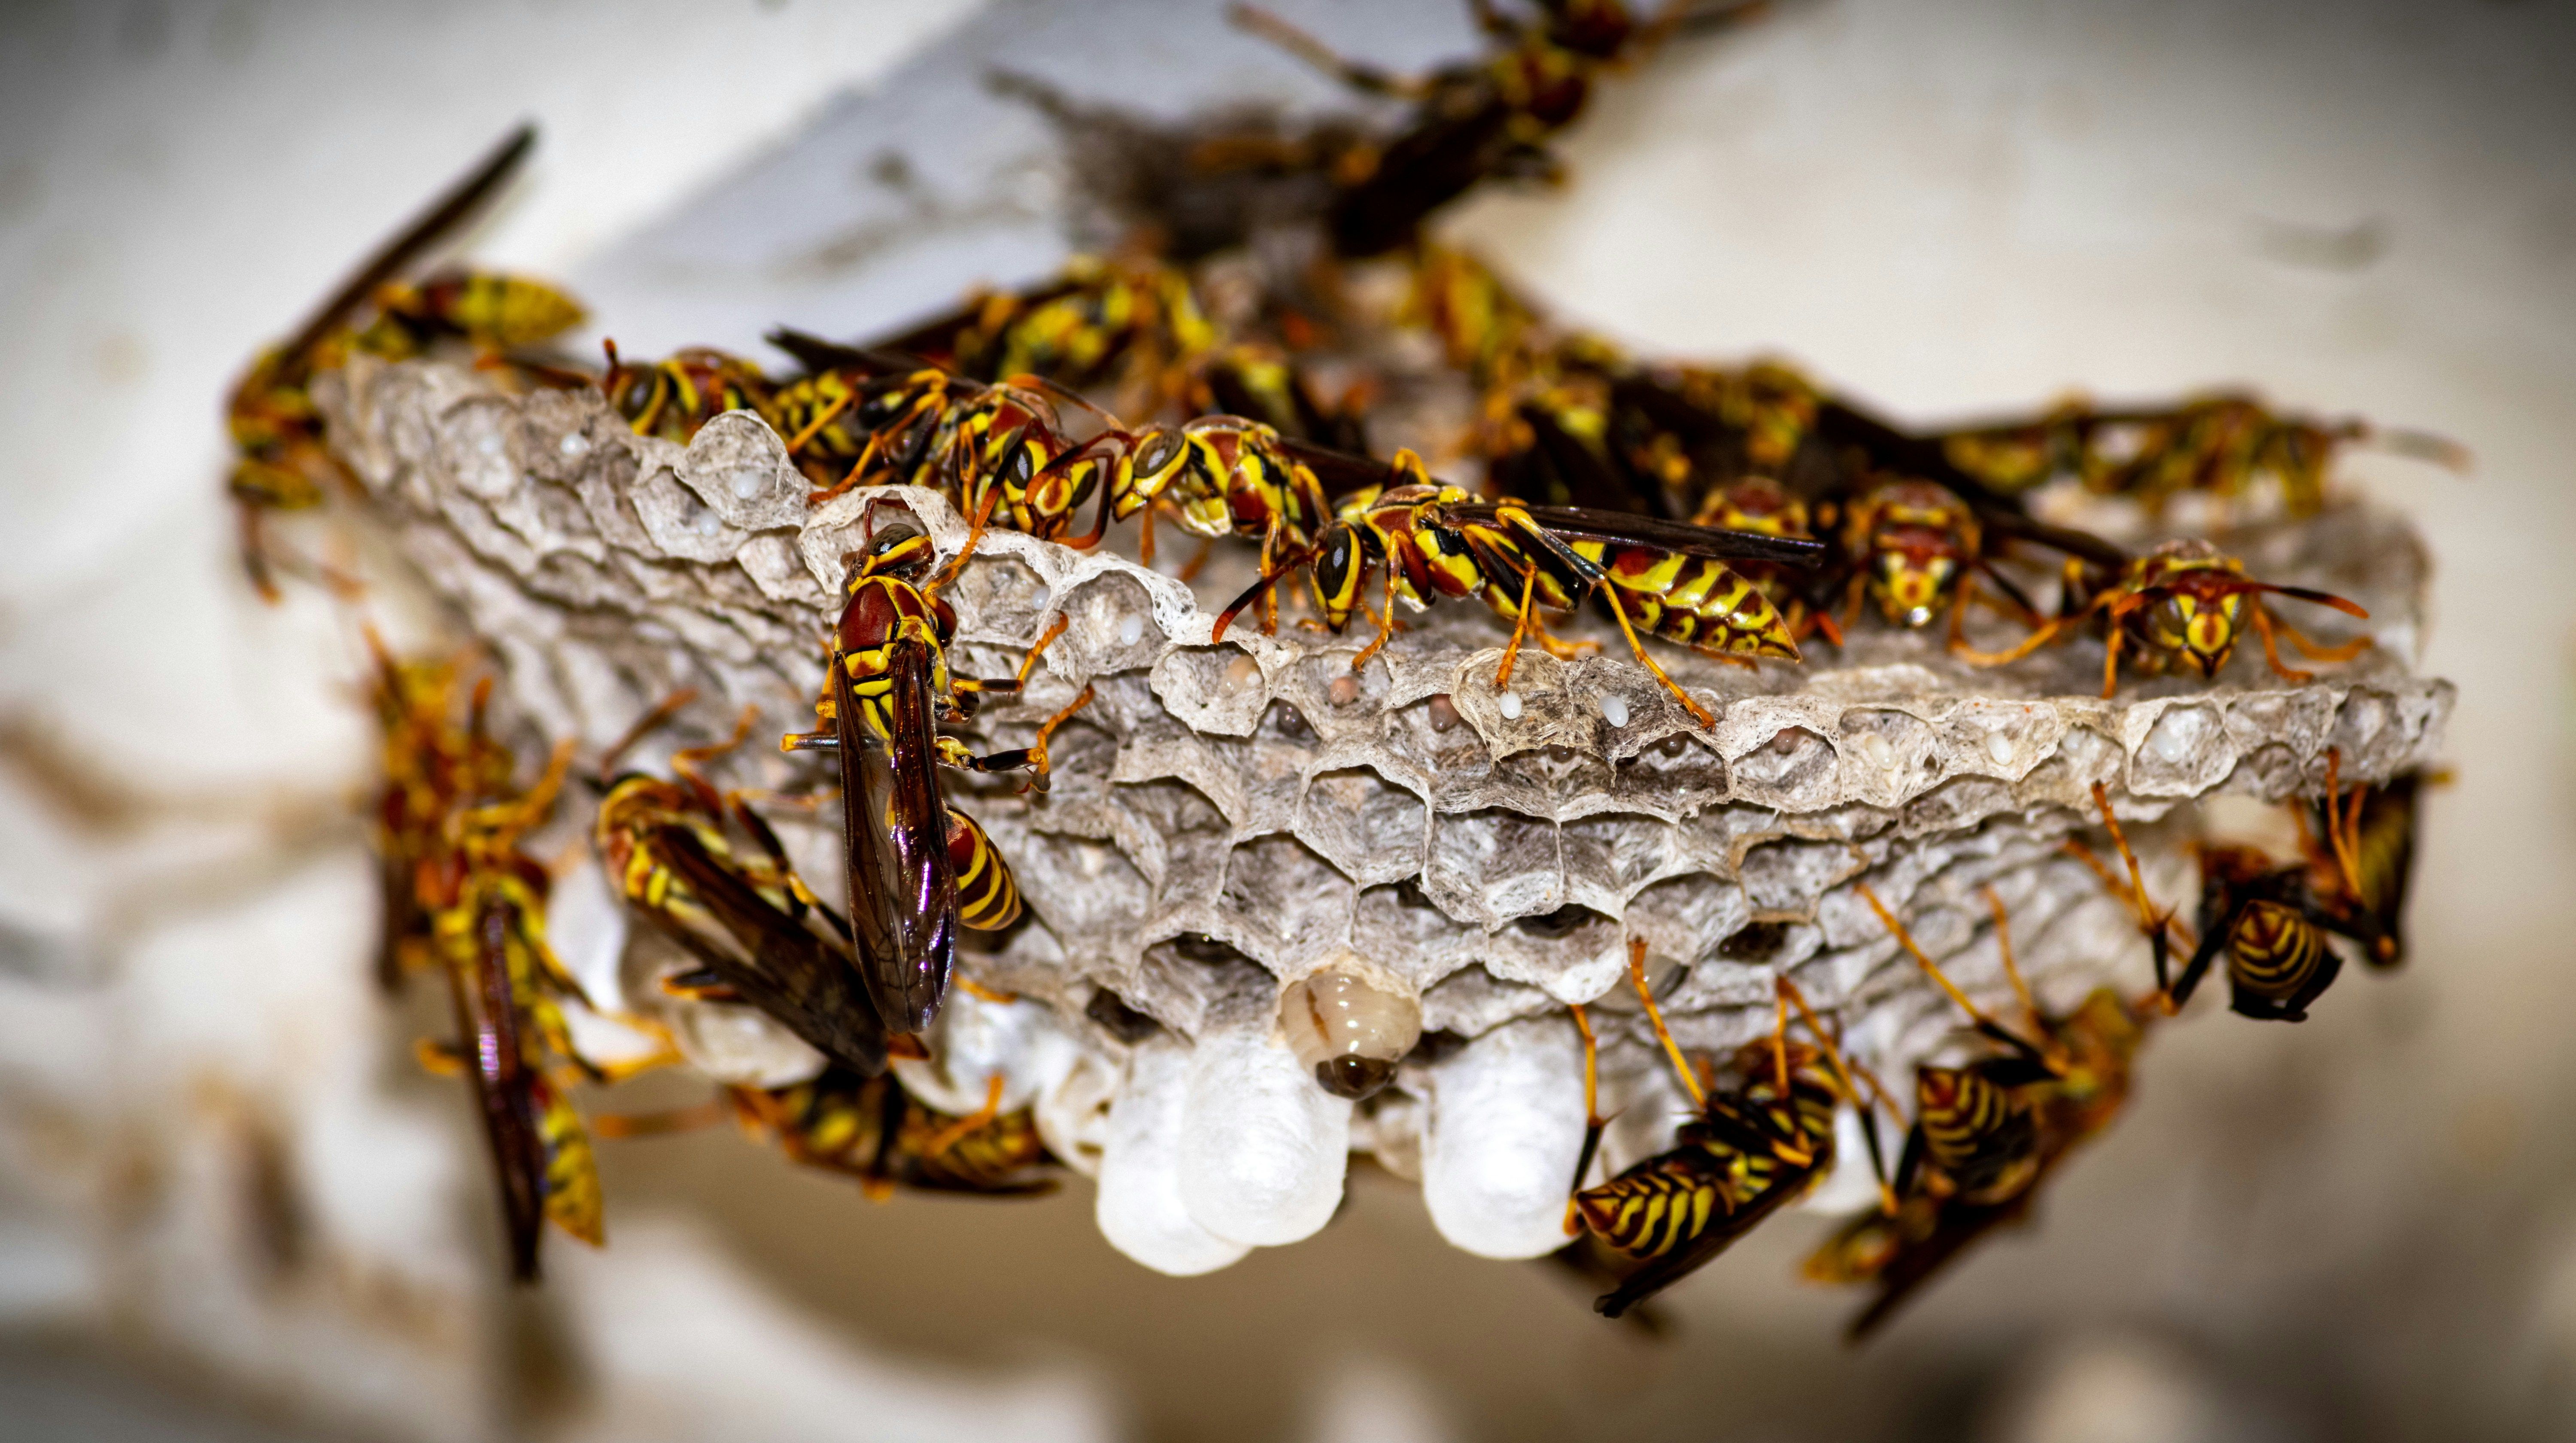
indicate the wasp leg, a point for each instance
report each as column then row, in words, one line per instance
column 660, row 1124
column 1520, row 628
column 965, row 1127
column 1789, row 992
column 1985, row 1023
column 1593, row 1121
column 815, row 427
column 2198, row 967
column 1197, row 563
column 1655, row 1018
column 1362, row 77
column 2151, row 924
column 1385, row 622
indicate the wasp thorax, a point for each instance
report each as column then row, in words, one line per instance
column 1350, row 1032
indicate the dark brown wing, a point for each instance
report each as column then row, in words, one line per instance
column 444, row 214
column 903, row 891
column 818, row 355
column 1917, row 1263
column 786, row 971
column 1632, row 528
column 488, row 1016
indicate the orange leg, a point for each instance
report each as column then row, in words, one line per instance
column 956, row 1132
column 1046, row 639
column 1197, row 563
column 815, row 427
column 974, row 534
column 686, row 761
column 2346, row 845
column 2148, row 921
column 1520, row 629
column 2272, row 647
column 1689, row 704
column 644, row 727
column 2012, row 969
column 2310, row 649
column 1385, row 622
column 858, row 471
column 1655, row 1017
column 1593, row 1122
column 1038, row 763
column 2048, row 632
column 1788, row 990
column 659, row 1124
column 979, row 991
column 1930, row 968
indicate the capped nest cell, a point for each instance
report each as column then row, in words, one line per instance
column 1231, row 821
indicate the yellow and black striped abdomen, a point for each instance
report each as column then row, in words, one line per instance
column 1699, row 601
column 1975, row 1131
column 2273, row 951
column 1650, row 1210
column 987, row 898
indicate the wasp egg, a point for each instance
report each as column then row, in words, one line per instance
column 1349, row 1033
column 1509, row 705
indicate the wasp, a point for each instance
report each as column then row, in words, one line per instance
column 2373, row 837
column 463, row 896
column 2181, row 607
column 872, row 418
column 870, row 1128
column 1132, row 324
column 711, row 875
column 1490, row 117
column 1758, row 1141
column 280, row 460
column 1656, row 577
column 918, row 868
column 674, row 397
column 2271, row 923
column 2222, row 445
column 1987, row 1134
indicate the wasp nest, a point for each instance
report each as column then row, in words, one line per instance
column 1263, row 883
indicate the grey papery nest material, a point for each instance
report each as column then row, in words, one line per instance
column 1227, row 819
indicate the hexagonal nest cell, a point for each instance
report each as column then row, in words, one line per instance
column 1227, row 818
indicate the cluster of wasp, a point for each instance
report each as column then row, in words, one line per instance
column 1742, row 513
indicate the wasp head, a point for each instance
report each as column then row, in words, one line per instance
column 2196, row 604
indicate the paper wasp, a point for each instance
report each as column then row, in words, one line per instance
column 1761, row 1139
column 1490, row 117
column 1656, row 577
column 1987, row 1134
column 2270, row 922
column 2183, row 607
column 281, row 461
column 2220, row 444
column 1129, row 323
column 674, row 850
column 2377, row 830
column 870, row 1128
column 674, row 397
column 462, row 895
column 918, row 868
column 870, row 418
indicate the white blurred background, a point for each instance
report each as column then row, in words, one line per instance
column 230, row 1208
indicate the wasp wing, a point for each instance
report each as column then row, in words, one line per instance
column 444, row 214
column 487, row 1012
column 784, row 970
column 1637, row 529
column 903, row 889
